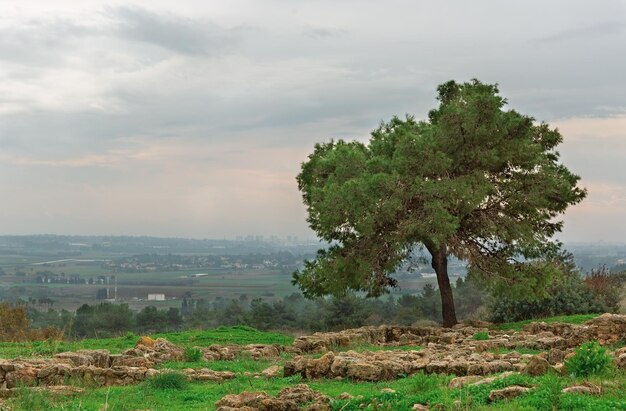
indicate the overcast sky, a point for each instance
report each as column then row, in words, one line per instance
column 191, row 118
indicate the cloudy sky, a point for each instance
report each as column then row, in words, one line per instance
column 191, row 118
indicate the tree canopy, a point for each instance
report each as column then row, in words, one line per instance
column 473, row 180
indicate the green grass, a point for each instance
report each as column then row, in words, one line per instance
column 222, row 335
column 168, row 381
column 569, row 319
column 426, row 389
column 480, row 336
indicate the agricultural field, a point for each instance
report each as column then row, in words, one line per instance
column 67, row 281
column 373, row 368
column 69, row 290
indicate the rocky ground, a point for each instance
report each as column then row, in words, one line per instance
column 473, row 354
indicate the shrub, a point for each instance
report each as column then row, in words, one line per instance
column 605, row 287
column 192, row 354
column 481, row 336
column 168, row 381
column 566, row 294
column 589, row 359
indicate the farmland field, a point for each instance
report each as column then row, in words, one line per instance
column 48, row 273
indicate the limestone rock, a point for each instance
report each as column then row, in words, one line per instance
column 271, row 372
column 536, row 366
column 245, row 399
column 460, row 382
column 508, row 393
column 584, row 388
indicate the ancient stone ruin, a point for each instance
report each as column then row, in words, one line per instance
column 437, row 350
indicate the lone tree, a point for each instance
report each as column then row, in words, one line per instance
column 474, row 181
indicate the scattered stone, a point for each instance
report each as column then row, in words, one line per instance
column 204, row 374
column 301, row 393
column 555, row 356
column 536, row 366
column 584, row 388
column 238, row 401
column 489, row 380
column 145, row 341
column 288, row 399
column 271, row 372
column 345, row 396
column 460, row 382
column 420, row 407
column 388, row 391
column 508, row 393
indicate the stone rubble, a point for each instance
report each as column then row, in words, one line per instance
column 443, row 351
column 508, row 393
column 288, row 399
column 584, row 388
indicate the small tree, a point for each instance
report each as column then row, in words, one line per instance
column 473, row 181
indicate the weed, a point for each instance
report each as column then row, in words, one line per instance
column 168, row 381
column 481, row 336
column 29, row 399
column 192, row 354
column 589, row 359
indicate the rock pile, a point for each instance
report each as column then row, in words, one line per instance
column 606, row 329
column 388, row 365
column 99, row 367
column 288, row 399
column 446, row 351
column 255, row 351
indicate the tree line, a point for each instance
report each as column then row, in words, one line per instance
column 568, row 293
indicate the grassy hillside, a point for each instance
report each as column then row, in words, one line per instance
column 221, row 335
column 399, row 394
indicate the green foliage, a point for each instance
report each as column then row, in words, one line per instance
column 168, row 381
column 474, row 181
column 192, row 354
column 102, row 320
column 566, row 294
column 606, row 287
column 589, row 359
column 481, row 336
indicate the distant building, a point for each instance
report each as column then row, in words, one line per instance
column 156, row 297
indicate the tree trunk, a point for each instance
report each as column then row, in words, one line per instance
column 440, row 265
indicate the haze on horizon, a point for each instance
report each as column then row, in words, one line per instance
column 191, row 119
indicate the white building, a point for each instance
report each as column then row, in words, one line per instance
column 156, row 297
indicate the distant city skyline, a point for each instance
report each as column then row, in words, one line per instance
column 190, row 119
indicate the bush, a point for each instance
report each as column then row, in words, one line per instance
column 566, row 294
column 168, row 381
column 481, row 336
column 192, row 354
column 605, row 287
column 589, row 359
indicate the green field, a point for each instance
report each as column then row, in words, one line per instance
column 133, row 288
